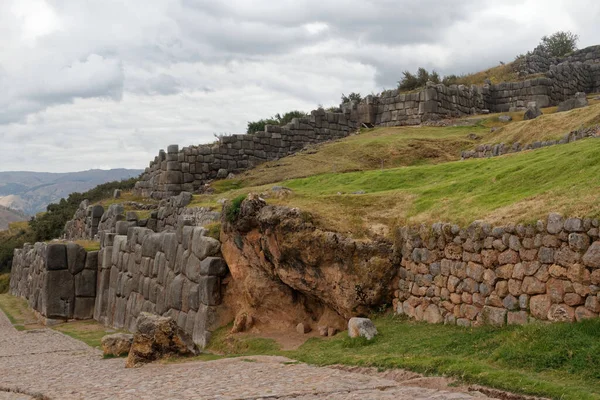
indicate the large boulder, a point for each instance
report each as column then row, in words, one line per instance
column 533, row 111
column 580, row 100
column 117, row 344
column 361, row 327
column 158, row 337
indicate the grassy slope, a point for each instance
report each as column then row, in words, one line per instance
column 557, row 360
column 518, row 188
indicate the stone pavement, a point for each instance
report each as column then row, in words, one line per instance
column 48, row 363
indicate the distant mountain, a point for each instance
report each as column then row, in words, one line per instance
column 31, row 192
column 7, row 216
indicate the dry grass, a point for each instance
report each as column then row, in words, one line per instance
column 18, row 312
column 390, row 147
column 550, row 126
column 498, row 74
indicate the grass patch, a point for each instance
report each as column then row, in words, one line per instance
column 18, row 312
column 4, row 283
column 233, row 210
column 90, row 332
column 553, row 360
column 214, row 230
column 89, row 245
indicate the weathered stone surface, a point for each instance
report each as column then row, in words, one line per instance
column 59, row 293
column 158, row 337
column 85, row 283
column 303, row 328
column 117, row 344
column 204, row 246
column 213, row 266
column 56, row 257
column 493, row 316
column 539, row 306
column 591, row 258
column 75, row 258
column 361, row 327
column 533, row 111
column 84, row 307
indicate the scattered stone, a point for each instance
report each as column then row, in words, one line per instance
column 303, row 328
column 117, row 194
column 222, row 173
column 359, row 192
column 361, row 327
column 158, row 337
column 117, row 344
column 322, row 330
column 331, row 331
column 533, row 111
column 505, row 118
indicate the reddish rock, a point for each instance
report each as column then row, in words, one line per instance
column 582, row 313
column 556, row 290
column 592, row 256
column 561, row 313
column 539, row 306
column 573, row 299
column 508, row 257
column 517, row 318
column 592, row 303
column 505, row 271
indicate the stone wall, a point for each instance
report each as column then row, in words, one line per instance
column 179, row 274
column 500, row 275
column 58, row 280
column 538, row 61
column 85, row 222
column 498, row 149
column 189, row 168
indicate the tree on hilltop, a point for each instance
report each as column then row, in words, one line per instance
column 560, row 43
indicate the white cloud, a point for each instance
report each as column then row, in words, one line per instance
column 106, row 84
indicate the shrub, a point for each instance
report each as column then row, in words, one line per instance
column 560, row 43
column 277, row 119
column 356, row 97
column 410, row 81
column 233, row 209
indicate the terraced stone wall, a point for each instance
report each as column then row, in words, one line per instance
column 500, row 275
column 58, row 280
column 85, row 222
column 178, row 274
column 189, row 168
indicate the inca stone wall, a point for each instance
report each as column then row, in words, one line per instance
column 540, row 62
column 189, row 168
column 493, row 150
column 84, row 224
column 500, row 275
column 58, row 280
column 178, row 274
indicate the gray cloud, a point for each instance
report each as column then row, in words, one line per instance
column 106, row 84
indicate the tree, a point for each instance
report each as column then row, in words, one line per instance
column 560, row 43
column 278, row 119
column 408, row 81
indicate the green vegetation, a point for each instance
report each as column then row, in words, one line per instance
column 233, row 209
column 556, row 360
column 411, row 81
column 356, row 97
column 89, row 332
column 4, row 283
column 18, row 312
column 49, row 225
column 560, row 43
column 278, row 119
column 23, row 318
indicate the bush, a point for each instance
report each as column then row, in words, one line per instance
column 278, row 119
column 560, row 43
column 233, row 209
column 412, row 82
column 356, row 97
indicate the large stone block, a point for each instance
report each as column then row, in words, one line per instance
column 56, row 257
column 84, row 307
column 75, row 258
column 59, row 294
column 204, row 246
column 174, row 294
column 92, row 261
column 213, row 266
column 85, row 283
column 209, row 288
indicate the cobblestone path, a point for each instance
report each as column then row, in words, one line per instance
column 48, row 363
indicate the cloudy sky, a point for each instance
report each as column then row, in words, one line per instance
column 107, row 83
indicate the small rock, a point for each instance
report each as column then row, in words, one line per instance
column 533, row 111
column 222, row 173
column 580, row 100
column 359, row 192
column 331, row 331
column 117, row 194
column 322, row 330
column 361, row 327
column 505, row 118
column 117, row 344
column 303, row 328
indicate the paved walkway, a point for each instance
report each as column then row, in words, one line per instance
column 48, row 363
